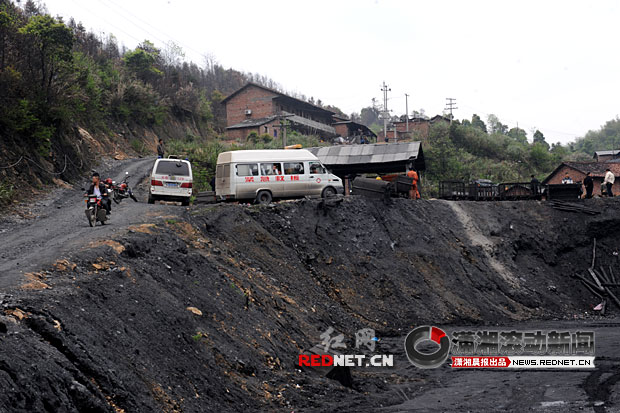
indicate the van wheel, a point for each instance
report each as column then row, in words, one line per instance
column 329, row 192
column 151, row 199
column 185, row 202
column 264, row 197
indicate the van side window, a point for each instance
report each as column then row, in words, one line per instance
column 317, row 168
column 293, row 168
column 271, row 168
column 247, row 169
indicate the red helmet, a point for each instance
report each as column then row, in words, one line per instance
column 108, row 181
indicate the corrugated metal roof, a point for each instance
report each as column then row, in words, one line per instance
column 603, row 153
column 251, row 123
column 361, row 154
column 310, row 123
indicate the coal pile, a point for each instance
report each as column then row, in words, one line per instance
column 211, row 312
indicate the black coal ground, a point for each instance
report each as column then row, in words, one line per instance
column 262, row 283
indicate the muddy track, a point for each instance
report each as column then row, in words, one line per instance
column 56, row 225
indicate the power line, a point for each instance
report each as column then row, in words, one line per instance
column 156, row 29
column 12, row 165
column 133, row 23
column 81, row 4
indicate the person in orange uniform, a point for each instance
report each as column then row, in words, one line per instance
column 413, row 192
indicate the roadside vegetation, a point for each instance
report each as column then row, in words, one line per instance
column 469, row 150
column 7, row 193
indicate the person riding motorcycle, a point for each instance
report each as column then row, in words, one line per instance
column 109, row 184
column 99, row 189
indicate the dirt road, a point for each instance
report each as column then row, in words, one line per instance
column 58, row 226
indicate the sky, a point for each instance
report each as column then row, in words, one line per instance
column 548, row 65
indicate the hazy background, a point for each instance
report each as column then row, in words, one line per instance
column 547, row 65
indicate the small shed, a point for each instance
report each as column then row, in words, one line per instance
column 351, row 160
column 604, row 156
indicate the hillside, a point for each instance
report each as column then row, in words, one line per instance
column 69, row 97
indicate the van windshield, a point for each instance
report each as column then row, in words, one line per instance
column 172, row 168
column 317, row 168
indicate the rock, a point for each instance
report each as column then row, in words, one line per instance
column 194, row 310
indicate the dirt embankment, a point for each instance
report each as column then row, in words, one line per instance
column 79, row 148
column 211, row 312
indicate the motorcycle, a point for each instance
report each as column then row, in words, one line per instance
column 95, row 211
column 122, row 190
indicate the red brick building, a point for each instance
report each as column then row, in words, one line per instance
column 255, row 108
column 352, row 131
column 577, row 172
column 604, row 156
column 419, row 129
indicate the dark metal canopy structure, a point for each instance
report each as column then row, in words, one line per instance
column 348, row 160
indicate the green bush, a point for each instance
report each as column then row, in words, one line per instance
column 253, row 138
column 7, row 192
column 137, row 146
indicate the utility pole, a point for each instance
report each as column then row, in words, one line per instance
column 407, row 110
column 283, row 127
column 385, row 89
column 451, row 105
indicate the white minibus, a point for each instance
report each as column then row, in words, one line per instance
column 262, row 175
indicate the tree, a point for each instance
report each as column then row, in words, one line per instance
column 172, row 54
column 495, row 126
column 369, row 115
column 540, row 138
column 6, row 24
column 53, row 42
column 419, row 114
column 518, row 135
column 539, row 157
column 142, row 61
column 476, row 122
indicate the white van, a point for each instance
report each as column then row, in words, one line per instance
column 171, row 179
column 262, row 175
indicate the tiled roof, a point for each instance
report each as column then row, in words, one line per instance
column 597, row 169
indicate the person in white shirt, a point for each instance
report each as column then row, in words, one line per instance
column 567, row 179
column 609, row 181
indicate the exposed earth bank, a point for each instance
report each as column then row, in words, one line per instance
column 209, row 310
